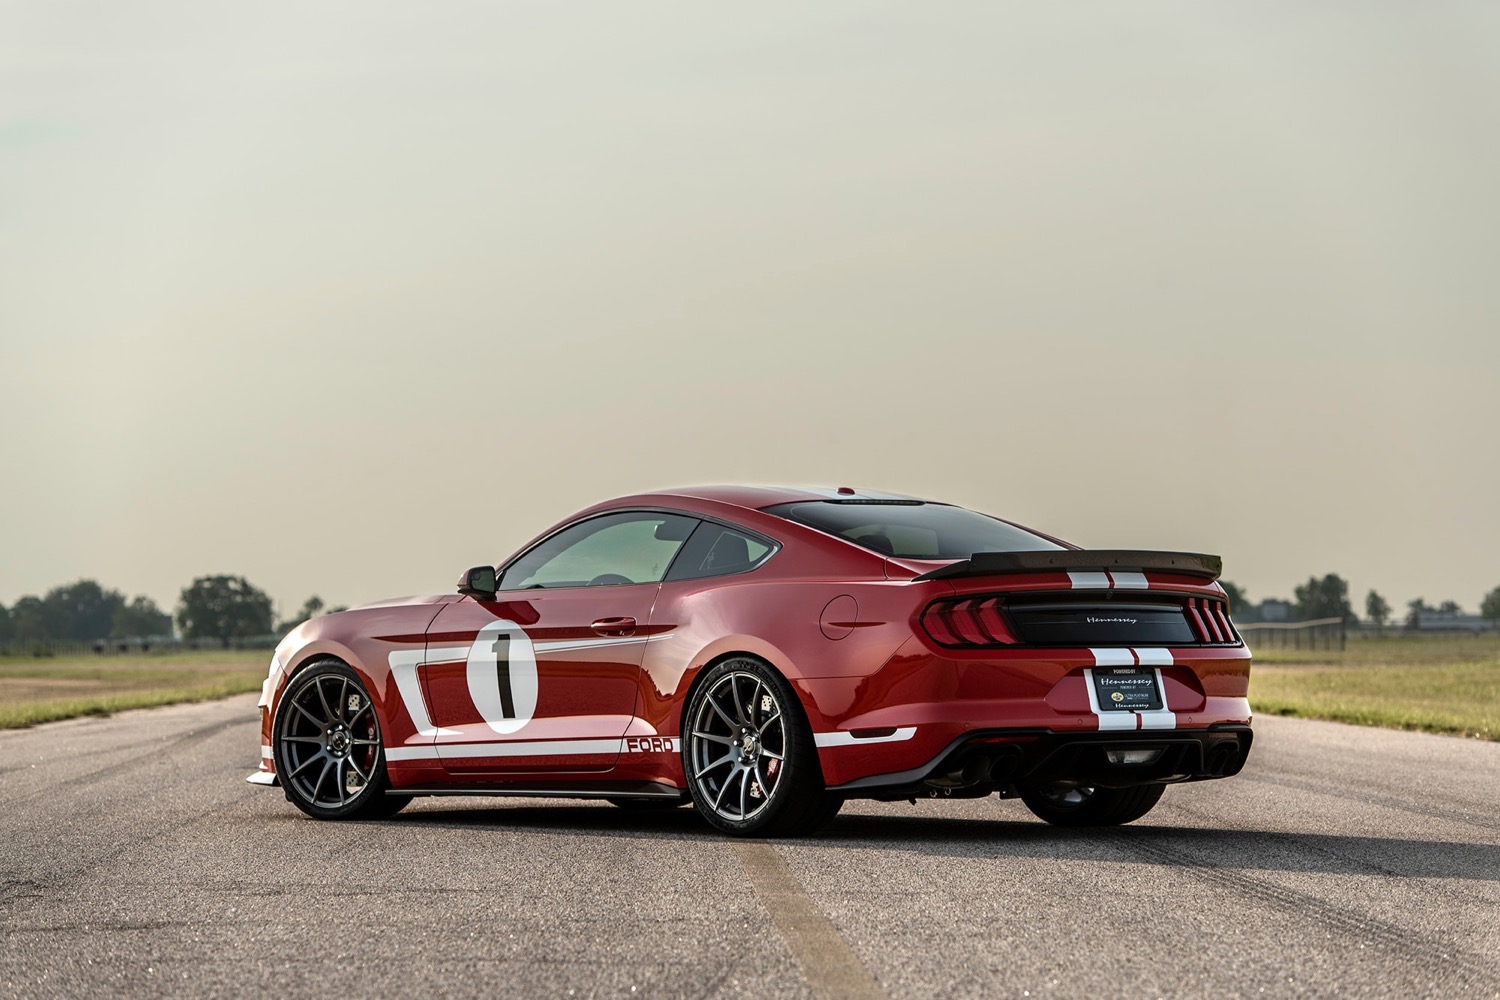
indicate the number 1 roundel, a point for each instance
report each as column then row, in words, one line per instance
column 502, row 676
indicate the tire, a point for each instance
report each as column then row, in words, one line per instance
column 648, row 805
column 1069, row 804
column 327, row 728
column 748, row 755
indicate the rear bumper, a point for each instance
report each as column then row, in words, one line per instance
column 987, row 761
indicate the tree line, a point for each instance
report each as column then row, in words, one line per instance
column 1328, row 597
column 223, row 607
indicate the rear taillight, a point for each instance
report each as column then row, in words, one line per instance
column 1211, row 620
column 973, row 621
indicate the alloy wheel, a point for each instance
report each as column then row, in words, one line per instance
column 738, row 746
column 329, row 741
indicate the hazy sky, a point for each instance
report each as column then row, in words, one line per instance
column 348, row 297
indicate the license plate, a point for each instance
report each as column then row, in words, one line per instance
column 1127, row 689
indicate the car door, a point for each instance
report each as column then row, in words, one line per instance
column 545, row 677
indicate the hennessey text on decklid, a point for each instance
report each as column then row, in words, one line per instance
column 768, row 654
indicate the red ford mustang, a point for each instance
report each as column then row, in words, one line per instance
column 767, row 654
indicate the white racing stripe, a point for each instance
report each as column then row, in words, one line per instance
column 1107, row 720
column 404, row 664
column 537, row 748
column 1115, row 579
column 563, row 645
column 266, row 753
column 627, row 744
column 1162, row 718
column 1146, row 656
column 1128, row 580
column 843, row 738
column 544, row 748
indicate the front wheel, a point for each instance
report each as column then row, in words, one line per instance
column 326, row 742
column 1068, row 803
column 748, row 754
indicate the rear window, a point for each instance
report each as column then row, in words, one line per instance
column 914, row 530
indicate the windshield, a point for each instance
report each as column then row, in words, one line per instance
column 914, row 530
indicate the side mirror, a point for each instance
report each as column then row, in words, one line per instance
column 478, row 583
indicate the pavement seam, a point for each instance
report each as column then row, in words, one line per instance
column 829, row 965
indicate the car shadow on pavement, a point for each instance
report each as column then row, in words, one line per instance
column 942, row 836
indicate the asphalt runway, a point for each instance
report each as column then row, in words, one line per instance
column 136, row 861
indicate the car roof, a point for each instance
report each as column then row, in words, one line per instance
column 761, row 497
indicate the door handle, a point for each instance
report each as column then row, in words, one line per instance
column 615, row 626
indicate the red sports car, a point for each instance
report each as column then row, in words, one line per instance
column 767, row 654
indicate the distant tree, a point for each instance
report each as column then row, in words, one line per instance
column 140, row 619
column 223, row 608
column 28, row 620
column 336, row 610
column 1490, row 606
column 1415, row 608
column 1325, row 598
column 1236, row 596
column 1376, row 609
column 82, row 610
column 4, row 623
column 1450, row 608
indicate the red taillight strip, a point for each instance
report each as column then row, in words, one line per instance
column 1198, row 623
column 1213, row 624
column 934, row 620
column 1223, row 620
column 966, row 623
column 991, row 623
column 973, row 621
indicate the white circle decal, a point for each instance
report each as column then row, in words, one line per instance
column 502, row 676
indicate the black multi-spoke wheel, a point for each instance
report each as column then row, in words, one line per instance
column 327, row 746
column 750, row 762
column 1070, row 803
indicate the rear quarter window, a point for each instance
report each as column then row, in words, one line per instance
column 914, row 530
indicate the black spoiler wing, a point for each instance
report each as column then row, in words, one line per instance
column 991, row 563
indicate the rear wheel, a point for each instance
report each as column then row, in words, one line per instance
column 327, row 746
column 748, row 754
column 1068, row 803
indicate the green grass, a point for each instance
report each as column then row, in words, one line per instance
column 1435, row 684
column 36, row 690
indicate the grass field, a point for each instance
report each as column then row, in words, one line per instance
column 1436, row 684
column 34, row 690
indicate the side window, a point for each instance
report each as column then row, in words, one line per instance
column 615, row 549
column 715, row 550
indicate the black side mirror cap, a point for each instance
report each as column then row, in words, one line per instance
column 478, row 583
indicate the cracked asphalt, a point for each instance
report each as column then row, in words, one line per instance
column 136, row 861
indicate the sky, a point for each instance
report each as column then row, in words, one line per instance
column 347, row 297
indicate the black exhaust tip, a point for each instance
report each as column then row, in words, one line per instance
column 1222, row 759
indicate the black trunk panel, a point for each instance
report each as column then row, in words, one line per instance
column 1100, row 623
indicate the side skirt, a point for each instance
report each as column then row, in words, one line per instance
column 566, row 790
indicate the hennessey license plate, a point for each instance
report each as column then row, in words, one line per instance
column 1127, row 689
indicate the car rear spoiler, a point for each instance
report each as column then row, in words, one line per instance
column 992, row 563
